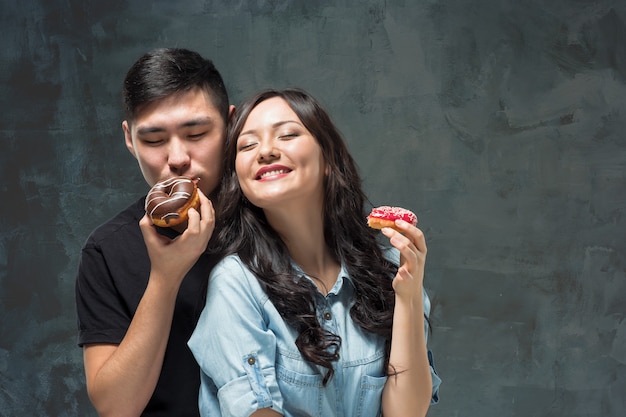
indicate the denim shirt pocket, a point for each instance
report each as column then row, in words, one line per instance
column 302, row 393
column 371, row 391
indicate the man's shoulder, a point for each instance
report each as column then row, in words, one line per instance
column 122, row 226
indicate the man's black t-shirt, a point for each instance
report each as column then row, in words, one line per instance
column 112, row 277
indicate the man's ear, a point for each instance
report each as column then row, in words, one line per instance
column 128, row 138
column 231, row 111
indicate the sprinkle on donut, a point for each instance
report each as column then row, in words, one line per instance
column 168, row 201
column 385, row 216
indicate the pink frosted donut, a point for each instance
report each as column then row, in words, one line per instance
column 385, row 216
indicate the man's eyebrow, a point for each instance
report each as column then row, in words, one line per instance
column 198, row 121
column 146, row 130
column 149, row 129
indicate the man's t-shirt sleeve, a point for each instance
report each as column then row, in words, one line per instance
column 102, row 314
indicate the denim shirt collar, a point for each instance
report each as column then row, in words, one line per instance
column 336, row 289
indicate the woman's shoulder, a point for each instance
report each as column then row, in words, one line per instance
column 229, row 261
column 231, row 272
column 231, row 266
column 391, row 254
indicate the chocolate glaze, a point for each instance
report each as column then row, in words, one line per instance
column 168, row 196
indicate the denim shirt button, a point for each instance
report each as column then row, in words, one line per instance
column 327, row 315
column 251, row 361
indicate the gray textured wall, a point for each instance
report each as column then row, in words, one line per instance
column 500, row 122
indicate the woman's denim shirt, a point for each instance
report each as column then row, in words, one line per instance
column 249, row 360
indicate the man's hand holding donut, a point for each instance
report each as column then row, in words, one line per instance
column 171, row 259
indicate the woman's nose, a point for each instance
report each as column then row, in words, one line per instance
column 267, row 150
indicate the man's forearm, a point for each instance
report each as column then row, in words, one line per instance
column 122, row 379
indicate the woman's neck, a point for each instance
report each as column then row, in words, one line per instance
column 304, row 237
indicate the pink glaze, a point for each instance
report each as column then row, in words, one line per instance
column 393, row 213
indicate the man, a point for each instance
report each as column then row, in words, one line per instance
column 140, row 289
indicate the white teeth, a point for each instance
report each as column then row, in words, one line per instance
column 269, row 173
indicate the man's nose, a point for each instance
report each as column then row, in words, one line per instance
column 178, row 157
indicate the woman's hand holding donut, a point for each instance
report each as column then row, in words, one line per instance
column 409, row 392
column 171, row 259
column 412, row 246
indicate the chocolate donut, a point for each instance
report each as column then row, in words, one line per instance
column 168, row 201
column 386, row 216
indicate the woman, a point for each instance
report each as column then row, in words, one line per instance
column 308, row 315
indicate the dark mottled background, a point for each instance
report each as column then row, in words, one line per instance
column 500, row 122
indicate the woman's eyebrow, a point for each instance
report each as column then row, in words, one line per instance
column 274, row 126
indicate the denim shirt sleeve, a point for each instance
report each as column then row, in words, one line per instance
column 394, row 256
column 233, row 346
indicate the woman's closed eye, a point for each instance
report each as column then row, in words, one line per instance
column 289, row 136
column 246, row 145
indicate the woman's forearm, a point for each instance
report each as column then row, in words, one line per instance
column 409, row 387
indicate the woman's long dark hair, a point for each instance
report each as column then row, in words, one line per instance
column 242, row 228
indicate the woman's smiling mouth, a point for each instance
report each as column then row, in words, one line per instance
column 271, row 172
